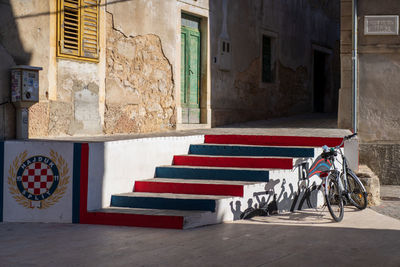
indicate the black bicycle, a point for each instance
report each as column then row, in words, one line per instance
column 338, row 187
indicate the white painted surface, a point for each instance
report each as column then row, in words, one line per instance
column 114, row 166
column 61, row 211
column 351, row 151
column 282, row 183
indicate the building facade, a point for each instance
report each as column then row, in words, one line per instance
column 121, row 67
column 377, row 80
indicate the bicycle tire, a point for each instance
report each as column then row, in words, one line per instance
column 356, row 192
column 334, row 199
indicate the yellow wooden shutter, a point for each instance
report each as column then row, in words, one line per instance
column 89, row 28
column 69, row 27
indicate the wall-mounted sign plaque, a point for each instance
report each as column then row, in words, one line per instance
column 381, row 25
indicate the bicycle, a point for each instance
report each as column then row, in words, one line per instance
column 337, row 186
column 349, row 185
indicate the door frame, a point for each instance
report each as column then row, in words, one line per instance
column 191, row 108
column 205, row 102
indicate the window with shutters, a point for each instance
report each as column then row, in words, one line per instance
column 78, row 29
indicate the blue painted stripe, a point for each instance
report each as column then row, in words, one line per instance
column 213, row 174
column 1, row 179
column 76, row 183
column 162, row 203
column 223, row 150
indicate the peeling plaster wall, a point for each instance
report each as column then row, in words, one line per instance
column 139, row 84
column 76, row 111
column 143, row 17
column 238, row 94
column 133, row 87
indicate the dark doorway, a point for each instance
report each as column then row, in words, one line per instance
column 319, row 80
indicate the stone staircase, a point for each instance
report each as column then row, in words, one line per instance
column 215, row 182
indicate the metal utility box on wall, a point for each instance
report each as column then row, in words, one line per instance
column 25, row 85
column 24, row 93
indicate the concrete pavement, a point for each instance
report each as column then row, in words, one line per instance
column 306, row 238
column 390, row 201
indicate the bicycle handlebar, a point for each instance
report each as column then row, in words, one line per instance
column 327, row 154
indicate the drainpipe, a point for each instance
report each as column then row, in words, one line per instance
column 355, row 64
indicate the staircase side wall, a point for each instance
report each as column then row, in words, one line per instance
column 114, row 166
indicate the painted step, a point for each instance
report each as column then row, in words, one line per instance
column 263, row 140
column 186, row 186
column 240, row 162
column 205, row 173
column 165, row 201
column 174, row 219
column 243, row 150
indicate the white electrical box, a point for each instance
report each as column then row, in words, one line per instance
column 25, row 85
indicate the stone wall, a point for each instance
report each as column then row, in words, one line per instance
column 139, row 84
column 383, row 160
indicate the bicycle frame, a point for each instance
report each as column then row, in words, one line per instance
column 342, row 176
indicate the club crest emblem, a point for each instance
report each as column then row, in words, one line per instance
column 38, row 181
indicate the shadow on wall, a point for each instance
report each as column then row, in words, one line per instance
column 281, row 195
column 12, row 53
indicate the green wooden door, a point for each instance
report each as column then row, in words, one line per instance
column 190, row 70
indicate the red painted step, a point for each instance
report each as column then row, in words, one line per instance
column 189, row 188
column 139, row 220
column 240, row 162
column 263, row 140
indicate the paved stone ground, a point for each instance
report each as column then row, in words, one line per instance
column 390, row 201
column 306, row 238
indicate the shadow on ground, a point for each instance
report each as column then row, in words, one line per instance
column 233, row 244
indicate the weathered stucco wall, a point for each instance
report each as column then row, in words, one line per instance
column 23, row 29
column 70, row 92
column 379, row 97
column 139, row 84
column 133, row 87
column 76, row 98
column 143, row 17
column 7, row 114
column 378, row 84
column 295, row 26
column 378, row 74
column 76, row 110
column 345, row 92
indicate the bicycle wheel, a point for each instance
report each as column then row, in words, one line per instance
column 357, row 193
column 334, row 199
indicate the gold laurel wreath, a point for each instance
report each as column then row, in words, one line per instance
column 13, row 183
column 57, row 194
